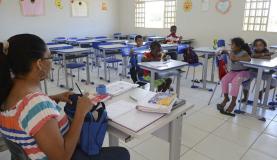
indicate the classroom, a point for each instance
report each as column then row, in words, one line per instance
column 138, row 79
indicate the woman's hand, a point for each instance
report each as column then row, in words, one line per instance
column 62, row 97
column 84, row 105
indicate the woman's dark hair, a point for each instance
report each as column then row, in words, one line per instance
column 23, row 50
column 239, row 42
column 154, row 45
column 138, row 37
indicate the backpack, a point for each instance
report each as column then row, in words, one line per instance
column 222, row 65
column 190, row 56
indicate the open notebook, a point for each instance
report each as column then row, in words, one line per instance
column 125, row 114
column 119, row 87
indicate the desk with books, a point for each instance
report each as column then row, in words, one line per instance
column 135, row 124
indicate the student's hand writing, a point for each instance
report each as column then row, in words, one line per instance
column 62, row 97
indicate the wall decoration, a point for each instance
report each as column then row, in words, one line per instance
column 79, row 8
column 32, row 7
column 59, row 4
column 187, row 5
column 104, row 6
column 223, row 6
column 205, row 5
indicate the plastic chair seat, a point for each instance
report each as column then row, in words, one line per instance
column 75, row 65
column 113, row 60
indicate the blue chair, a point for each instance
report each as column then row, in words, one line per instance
column 60, row 40
column 181, row 49
column 100, row 37
column 51, row 43
column 117, row 35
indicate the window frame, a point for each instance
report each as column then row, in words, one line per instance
column 170, row 11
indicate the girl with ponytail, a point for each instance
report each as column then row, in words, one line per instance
column 240, row 52
column 30, row 118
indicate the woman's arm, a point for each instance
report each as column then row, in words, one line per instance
column 53, row 144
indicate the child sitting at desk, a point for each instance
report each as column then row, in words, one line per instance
column 173, row 38
column 134, row 69
column 260, row 52
column 239, row 73
column 163, row 84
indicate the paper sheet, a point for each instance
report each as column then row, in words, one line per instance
column 119, row 108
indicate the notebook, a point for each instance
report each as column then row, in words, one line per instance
column 125, row 114
column 119, row 87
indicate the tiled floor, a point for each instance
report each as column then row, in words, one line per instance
column 207, row 135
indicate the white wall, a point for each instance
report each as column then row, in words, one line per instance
column 202, row 26
column 58, row 22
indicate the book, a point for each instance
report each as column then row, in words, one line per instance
column 159, row 103
column 100, row 97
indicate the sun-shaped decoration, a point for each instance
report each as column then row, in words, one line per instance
column 187, row 5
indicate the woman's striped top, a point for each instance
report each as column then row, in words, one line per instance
column 20, row 124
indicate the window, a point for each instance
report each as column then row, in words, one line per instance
column 155, row 13
column 260, row 15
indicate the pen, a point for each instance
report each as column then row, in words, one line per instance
column 79, row 89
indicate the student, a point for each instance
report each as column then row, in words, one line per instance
column 32, row 119
column 134, row 69
column 173, row 38
column 163, row 84
column 239, row 73
column 260, row 52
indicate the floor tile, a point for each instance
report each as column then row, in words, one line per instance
column 237, row 134
column 266, row 144
column 205, row 122
column 255, row 155
column 156, row 149
column 193, row 155
column 220, row 149
column 272, row 129
column 192, row 135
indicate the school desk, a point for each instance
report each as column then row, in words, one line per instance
column 75, row 51
column 168, row 127
column 261, row 65
column 160, row 68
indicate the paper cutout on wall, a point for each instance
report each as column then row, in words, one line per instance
column 32, row 7
column 79, row 8
column 187, row 5
column 104, row 6
column 59, row 4
column 205, row 5
column 223, row 6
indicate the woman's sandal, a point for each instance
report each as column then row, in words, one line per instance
column 219, row 107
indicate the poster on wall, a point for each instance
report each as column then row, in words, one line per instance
column 187, row 5
column 32, row 7
column 223, row 6
column 205, row 5
column 59, row 4
column 79, row 8
column 104, row 6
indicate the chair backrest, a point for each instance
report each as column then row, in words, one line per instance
column 100, row 37
column 125, row 51
column 181, row 48
column 221, row 43
column 17, row 153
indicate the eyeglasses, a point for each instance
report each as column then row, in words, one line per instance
column 48, row 58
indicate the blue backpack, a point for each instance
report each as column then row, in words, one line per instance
column 93, row 130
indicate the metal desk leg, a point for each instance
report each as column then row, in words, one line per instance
column 45, row 87
column 213, row 68
column 175, row 129
column 268, row 85
column 257, row 90
column 205, row 71
column 105, row 65
column 113, row 141
column 178, row 85
column 65, row 72
column 88, row 72
column 152, row 81
column 125, row 66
